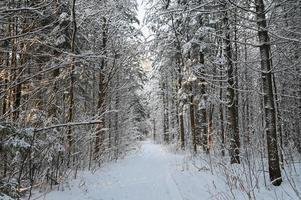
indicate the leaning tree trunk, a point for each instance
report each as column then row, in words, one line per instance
column 268, row 95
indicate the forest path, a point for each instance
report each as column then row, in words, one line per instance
column 152, row 174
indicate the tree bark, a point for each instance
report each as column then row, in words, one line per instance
column 101, row 92
column 268, row 95
column 231, row 95
column 181, row 116
column 210, row 128
column 16, row 91
column 203, row 108
column 72, row 81
column 192, row 119
column 165, row 110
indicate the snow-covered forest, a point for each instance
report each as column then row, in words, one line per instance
column 150, row 99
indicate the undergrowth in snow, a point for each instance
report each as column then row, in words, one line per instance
column 156, row 172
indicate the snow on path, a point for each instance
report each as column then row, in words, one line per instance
column 152, row 174
column 156, row 174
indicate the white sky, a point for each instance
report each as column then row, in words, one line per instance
column 145, row 62
column 141, row 9
column 141, row 14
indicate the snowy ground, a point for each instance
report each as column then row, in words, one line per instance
column 152, row 174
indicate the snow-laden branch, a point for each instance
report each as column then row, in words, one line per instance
column 68, row 124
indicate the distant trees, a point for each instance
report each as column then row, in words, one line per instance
column 232, row 61
column 69, row 80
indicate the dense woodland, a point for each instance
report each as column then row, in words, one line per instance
column 70, row 72
column 225, row 82
column 227, row 77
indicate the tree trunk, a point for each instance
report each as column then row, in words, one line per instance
column 16, row 91
column 181, row 115
column 192, row 119
column 165, row 111
column 232, row 109
column 210, row 129
column 203, row 108
column 117, row 136
column 101, row 93
column 268, row 96
column 223, row 137
column 72, row 82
